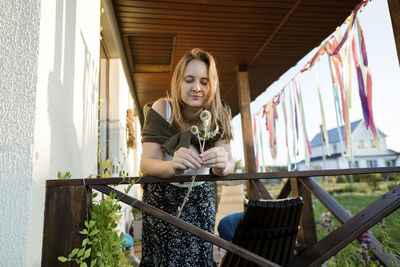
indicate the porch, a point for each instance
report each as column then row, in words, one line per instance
column 68, row 203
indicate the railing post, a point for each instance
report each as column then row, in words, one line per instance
column 307, row 234
column 65, row 212
column 307, row 222
column 394, row 9
column 243, row 87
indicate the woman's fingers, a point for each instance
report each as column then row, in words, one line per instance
column 215, row 157
column 185, row 158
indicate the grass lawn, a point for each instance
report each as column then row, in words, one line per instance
column 355, row 202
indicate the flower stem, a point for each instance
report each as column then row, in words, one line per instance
column 187, row 194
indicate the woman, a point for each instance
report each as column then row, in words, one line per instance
column 170, row 149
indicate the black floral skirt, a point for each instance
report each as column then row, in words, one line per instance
column 167, row 245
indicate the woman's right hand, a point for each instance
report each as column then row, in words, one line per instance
column 184, row 159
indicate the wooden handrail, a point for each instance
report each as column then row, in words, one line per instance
column 232, row 177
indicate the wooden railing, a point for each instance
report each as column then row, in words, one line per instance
column 68, row 201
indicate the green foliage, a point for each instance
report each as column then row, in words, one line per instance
column 137, row 214
column 238, row 165
column 341, row 179
column 102, row 243
column 390, row 247
column 352, row 254
column 276, row 168
column 66, row 175
column 372, row 179
column 391, row 186
column 347, row 189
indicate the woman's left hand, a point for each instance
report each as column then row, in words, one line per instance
column 216, row 157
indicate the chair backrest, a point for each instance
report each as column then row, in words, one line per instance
column 268, row 228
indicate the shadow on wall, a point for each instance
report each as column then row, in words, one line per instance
column 90, row 105
column 64, row 149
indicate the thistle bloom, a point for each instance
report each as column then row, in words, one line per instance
column 205, row 115
column 194, row 130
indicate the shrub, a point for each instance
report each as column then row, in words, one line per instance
column 347, row 189
column 372, row 179
column 341, row 179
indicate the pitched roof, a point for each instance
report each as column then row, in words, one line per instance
column 333, row 134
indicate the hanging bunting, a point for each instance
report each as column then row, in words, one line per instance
column 335, row 87
column 350, row 22
column 294, row 143
column 341, row 79
column 347, row 78
column 368, row 82
column 259, row 145
column 321, row 107
column 289, row 162
column 295, row 115
column 342, row 54
column 307, row 145
column 269, row 111
column 255, row 142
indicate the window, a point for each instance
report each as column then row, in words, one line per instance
column 372, row 144
column 361, row 144
column 390, row 163
column 356, row 164
column 372, row 163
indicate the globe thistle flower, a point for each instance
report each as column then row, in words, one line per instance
column 194, row 130
column 205, row 115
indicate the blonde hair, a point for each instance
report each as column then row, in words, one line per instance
column 220, row 115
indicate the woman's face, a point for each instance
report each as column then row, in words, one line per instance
column 195, row 84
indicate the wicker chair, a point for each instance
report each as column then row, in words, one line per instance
column 268, row 228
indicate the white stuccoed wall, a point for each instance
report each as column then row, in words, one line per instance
column 49, row 66
column 120, row 100
column 19, row 46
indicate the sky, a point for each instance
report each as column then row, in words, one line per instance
column 385, row 71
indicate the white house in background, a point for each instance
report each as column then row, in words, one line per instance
column 53, row 70
column 365, row 153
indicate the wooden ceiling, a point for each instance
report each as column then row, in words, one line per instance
column 267, row 36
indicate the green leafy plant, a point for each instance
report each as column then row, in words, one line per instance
column 102, row 243
column 66, row 175
column 372, row 179
column 388, row 245
column 356, row 254
column 137, row 214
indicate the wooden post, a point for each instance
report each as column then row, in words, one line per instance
column 64, row 216
column 243, row 89
column 307, row 234
column 394, row 9
column 294, row 187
